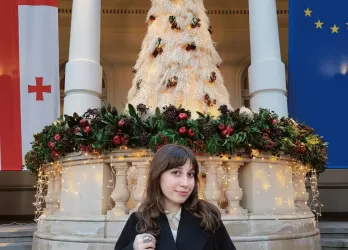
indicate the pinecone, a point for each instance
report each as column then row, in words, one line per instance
column 276, row 133
column 144, row 139
column 70, row 133
column 170, row 114
column 127, row 122
column 46, row 129
column 208, row 129
column 65, row 143
column 142, row 109
column 97, row 122
column 223, row 109
column 235, row 114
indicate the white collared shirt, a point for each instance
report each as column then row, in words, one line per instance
column 175, row 221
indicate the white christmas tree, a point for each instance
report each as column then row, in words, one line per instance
column 178, row 63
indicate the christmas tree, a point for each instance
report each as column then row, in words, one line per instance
column 178, row 63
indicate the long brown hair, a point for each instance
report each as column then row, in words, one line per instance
column 168, row 157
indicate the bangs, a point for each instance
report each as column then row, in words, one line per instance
column 178, row 156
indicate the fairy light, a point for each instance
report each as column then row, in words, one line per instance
column 315, row 204
column 222, row 175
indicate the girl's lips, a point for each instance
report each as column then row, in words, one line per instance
column 182, row 193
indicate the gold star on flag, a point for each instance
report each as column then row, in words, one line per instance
column 319, row 24
column 308, row 12
column 334, row 29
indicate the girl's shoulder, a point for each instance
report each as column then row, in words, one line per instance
column 133, row 219
column 208, row 208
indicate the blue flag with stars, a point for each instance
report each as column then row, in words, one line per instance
column 318, row 71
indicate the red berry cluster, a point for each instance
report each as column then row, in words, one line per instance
column 51, row 145
column 162, row 143
column 183, row 130
column 269, row 144
column 84, row 126
column 120, row 139
column 225, row 131
column 198, row 147
column 300, row 147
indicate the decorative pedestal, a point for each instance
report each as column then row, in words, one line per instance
column 267, row 186
column 260, row 213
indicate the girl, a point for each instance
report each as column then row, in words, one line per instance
column 171, row 217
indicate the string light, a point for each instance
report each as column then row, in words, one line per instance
column 271, row 176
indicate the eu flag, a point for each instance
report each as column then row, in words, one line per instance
column 318, row 71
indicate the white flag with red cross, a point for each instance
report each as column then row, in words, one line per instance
column 29, row 75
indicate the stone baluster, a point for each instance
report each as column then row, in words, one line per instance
column 300, row 193
column 233, row 192
column 142, row 177
column 212, row 192
column 120, row 194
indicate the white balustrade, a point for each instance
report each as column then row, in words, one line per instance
column 213, row 189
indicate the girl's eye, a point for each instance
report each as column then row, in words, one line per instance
column 176, row 172
column 191, row 174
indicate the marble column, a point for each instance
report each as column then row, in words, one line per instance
column 83, row 78
column 267, row 80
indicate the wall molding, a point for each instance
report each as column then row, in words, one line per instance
column 117, row 11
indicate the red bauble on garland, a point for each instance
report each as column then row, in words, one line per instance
column 183, row 116
column 83, row 123
column 116, row 140
column 191, row 133
column 182, row 131
column 121, row 123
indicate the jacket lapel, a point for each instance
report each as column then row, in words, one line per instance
column 165, row 240
column 190, row 235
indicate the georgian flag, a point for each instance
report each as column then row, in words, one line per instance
column 29, row 75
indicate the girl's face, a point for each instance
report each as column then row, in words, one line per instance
column 177, row 185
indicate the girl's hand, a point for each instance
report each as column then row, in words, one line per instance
column 144, row 242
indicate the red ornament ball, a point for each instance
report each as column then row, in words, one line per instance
column 191, row 133
column 182, row 131
column 183, row 116
column 121, row 123
column 116, row 140
column 83, row 123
